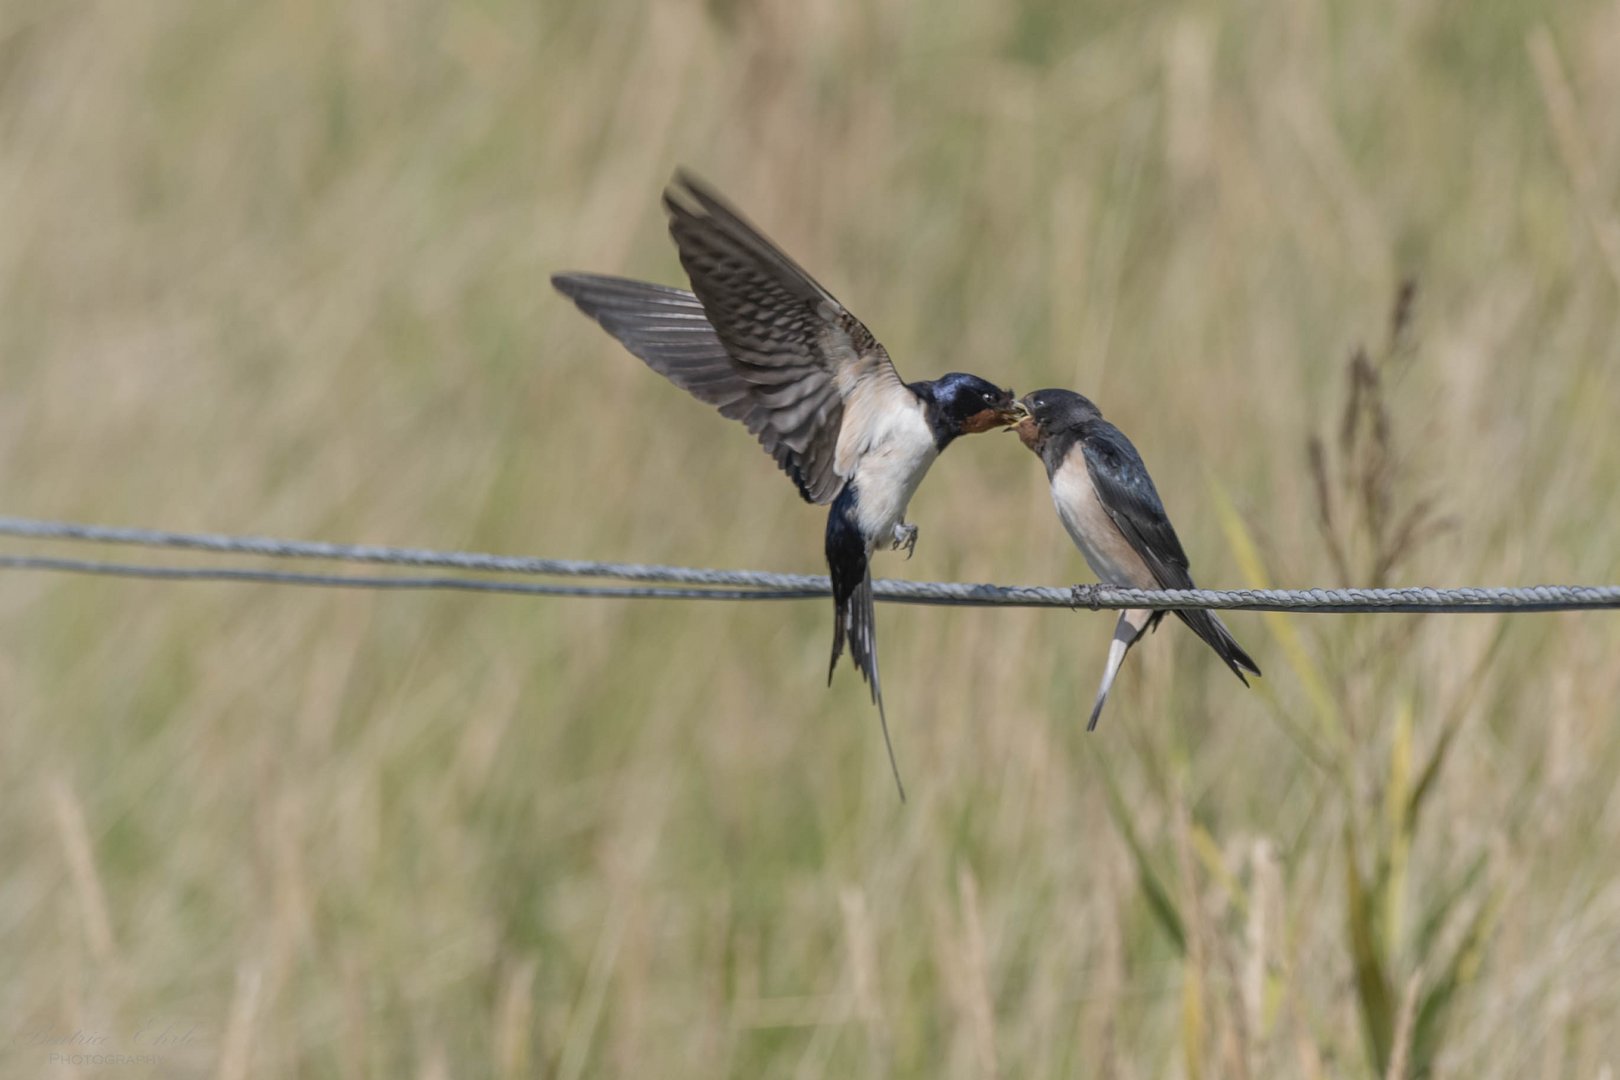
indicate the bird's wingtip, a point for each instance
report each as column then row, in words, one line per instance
column 684, row 189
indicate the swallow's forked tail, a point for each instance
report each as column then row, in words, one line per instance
column 1132, row 623
column 1204, row 623
column 854, row 616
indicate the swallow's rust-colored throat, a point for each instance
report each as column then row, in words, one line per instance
column 985, row 420
column 1029, row 432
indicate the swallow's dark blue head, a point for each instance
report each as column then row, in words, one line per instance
column 962, row 404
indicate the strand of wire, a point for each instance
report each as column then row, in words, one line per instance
column 420, row 583
column 705, row 583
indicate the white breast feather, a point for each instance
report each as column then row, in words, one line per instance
column 1107, row 552
column 886, row 447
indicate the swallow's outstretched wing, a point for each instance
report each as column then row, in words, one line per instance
column 1128, row 495
column 758, row 338
column 669, row 330
column 799, row 352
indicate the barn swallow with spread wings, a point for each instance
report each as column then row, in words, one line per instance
column 1108, row 504
column 762, row 341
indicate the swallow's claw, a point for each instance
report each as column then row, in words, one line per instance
column 1083, row 596
column 905, row 536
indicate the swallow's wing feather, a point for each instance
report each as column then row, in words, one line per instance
column 669, row 330
column 1127, row 493
column 799, row 352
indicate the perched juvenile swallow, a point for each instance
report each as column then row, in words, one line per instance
column 761, row 340
column 1107, row 502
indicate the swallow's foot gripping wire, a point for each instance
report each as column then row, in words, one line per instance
column 905, row 536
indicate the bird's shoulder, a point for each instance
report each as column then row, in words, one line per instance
column 1107, row 450
column 1126, row 491
column 1090, row 446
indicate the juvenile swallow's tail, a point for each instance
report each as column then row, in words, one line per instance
column 1214, row 632
column 854, row 617
column 1132, row 623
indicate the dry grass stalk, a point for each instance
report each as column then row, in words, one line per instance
column 79, row 854
column 1399, row 1059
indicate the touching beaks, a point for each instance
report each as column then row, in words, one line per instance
column 1014, row 414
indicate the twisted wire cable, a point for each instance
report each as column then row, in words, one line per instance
column 703, row 583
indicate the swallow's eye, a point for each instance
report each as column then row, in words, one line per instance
column 985, row 396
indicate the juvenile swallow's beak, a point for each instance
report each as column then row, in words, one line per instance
column 1013, row 414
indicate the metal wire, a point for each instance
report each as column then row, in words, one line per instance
column 248, row 575
column 712, row 584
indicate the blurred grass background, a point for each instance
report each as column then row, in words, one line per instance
column 282, row 268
